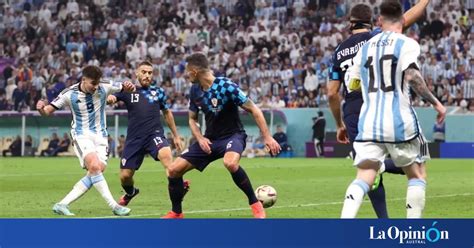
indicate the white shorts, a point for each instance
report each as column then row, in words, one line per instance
column 89, row 143
column 402, row 154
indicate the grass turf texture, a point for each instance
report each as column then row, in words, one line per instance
column 307, row 188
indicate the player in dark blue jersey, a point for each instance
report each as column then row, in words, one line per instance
column 361, row 28
column 144, row 133
column 219, row 99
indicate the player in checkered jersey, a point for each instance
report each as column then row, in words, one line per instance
column 145, row 133
column 87, row 100
column 219, row 99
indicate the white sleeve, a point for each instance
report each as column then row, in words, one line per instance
column 409, row 54
column 62, row 99
column 112, row 87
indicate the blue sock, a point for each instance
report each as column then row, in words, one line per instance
column 176, row 191
column 86, row 180
column 243, row 182
column 377, row 198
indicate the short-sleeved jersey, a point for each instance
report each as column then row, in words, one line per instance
column 88, row 110
column 144, row 107
column 386, row 114
column 342, row 60
column 220, row 106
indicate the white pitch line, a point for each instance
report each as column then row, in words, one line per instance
column 287, row 206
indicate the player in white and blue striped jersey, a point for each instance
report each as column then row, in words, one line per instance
column 87, row 101
column 384, row 69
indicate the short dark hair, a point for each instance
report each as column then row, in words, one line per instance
column 361, row 12
column 145, row 62
column 391, row 10
column 198, row 60
column 93, row 72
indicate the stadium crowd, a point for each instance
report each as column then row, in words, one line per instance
column 278, row 51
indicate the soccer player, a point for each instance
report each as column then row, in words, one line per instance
column 219, row 99
column 144, row 133
column 361, row 28
column 385, row 68
column 87, row 100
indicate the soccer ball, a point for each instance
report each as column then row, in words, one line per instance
column 267, row 195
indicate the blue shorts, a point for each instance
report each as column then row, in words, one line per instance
column 199, row 159
column 136, row 149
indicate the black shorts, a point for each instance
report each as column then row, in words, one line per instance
column 199, row 159
column 136, row 149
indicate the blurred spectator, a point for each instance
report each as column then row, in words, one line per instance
column 281, row 138
column 15, row 148
column 29, row 150
column 52, row 145
column 319, row 132
column 111, row 142
column 268, row 46
column 63, row 145
column 20, row 97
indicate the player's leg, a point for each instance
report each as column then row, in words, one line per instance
column 165, row 156
column 241, row 179
column 193, row 157
column 132, row 158
column 176, row 186
column 377, row 193
column 82, row 186
column 96, row 161
column 409, row 157
column 368, row 159
column 127, row 182
column 233, row 147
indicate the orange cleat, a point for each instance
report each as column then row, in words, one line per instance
column 186, row 184
column 173, row 215
column 258, row 211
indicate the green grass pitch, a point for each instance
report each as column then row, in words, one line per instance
column 307, row 188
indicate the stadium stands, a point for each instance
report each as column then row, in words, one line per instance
column 267, row 46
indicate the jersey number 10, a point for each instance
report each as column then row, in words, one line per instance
column 387, row 66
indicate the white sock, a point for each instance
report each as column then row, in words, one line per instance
column 101, row 185
column 354, row 195
column 415, row 198
column 81, row 187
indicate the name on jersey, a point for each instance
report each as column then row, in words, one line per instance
column 379, row 43
column 350, row 50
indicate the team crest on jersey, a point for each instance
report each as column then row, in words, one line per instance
column 124, row 161
column 153, row 93
column 214, row 102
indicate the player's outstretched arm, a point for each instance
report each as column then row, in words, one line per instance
column 414, row 13
column 335, row 105
column 193, row 125
column 128, row 87
column 257, row 114
column 44, row 109
column 418, row 84
column 111, row 99
column 169, row 118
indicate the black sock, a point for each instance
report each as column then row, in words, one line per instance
column 176, row 191
column 243, row 182
column 129, row 189
column 377, row 197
